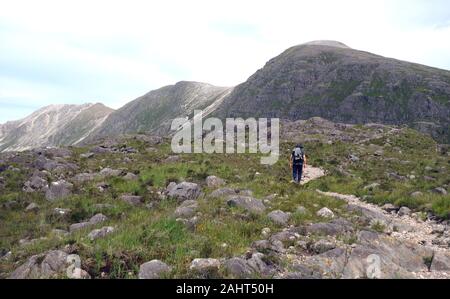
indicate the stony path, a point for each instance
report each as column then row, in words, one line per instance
column 413, row 229
column 311, row 173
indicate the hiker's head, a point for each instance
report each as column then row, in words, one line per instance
column 299, row 145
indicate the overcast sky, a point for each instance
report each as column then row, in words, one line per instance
column 73, row 52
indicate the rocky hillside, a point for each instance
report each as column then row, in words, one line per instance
column 53, row 125
column 318, row 79
column 155, row 111
column 126, row 207
column 333, row 81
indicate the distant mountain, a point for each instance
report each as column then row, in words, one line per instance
column 322, row 78
column 330, row 80
column 52, row 126
column 155, row 111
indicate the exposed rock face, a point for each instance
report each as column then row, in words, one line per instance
column 52, row 126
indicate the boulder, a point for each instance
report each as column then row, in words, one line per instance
column 238, row 268
column 130, row 177
column 247, row 203
column 153, row 270
column 186, row 209
column 279, row 217
column 132, row 199
column 325, row 212
column 100, row 233
column 58, row 190
column 83, row 177
column 333, row 228
column 32, row 207
column 205, row 266
column 440, row 190
column 322, row 246
column 36, row 183
column 49, row 265
column 214, row 182
column 97, row 218
column 184, row 191
column 108, row 172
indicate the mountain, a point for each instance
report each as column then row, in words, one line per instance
column 330, row 80
column 52, row 126
column 155, row 111
column 318, row 79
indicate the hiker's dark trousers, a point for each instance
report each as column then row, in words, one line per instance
column 297, row 172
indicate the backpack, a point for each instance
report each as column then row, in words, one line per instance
column 297, row 156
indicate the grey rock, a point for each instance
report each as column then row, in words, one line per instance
column 222, row 192
column 97, row 218
column 404, row 211
column 390, row 208
column 440, row 190
column 36, row 183
column 325, row 212
column 247, row 203
column 87, row 155
column 108, row 172
column 132, row 199
column 205, row 266
column 184, row 191
column 100, row 233
column 186, row 209
column 83, row 177
column 333, row 228
column 130, row 177
column 32, row 207
column 322, row 246
column 214, row 182
column 171, row 159
column 279, row 217
column 153, row 269
column 59, row 190
column 49, row 265
column 440, row 262
column 238, row 268
column 78, row 226
column 371, row 186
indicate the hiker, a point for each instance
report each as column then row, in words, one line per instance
column 297, row 162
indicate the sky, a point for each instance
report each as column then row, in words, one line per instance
column 74, row 52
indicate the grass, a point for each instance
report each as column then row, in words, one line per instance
column 143, row 234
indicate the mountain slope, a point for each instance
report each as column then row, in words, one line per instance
column 52, row 125
column 331, row 80
column 155, row 111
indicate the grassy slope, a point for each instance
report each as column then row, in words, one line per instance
column 143, row 234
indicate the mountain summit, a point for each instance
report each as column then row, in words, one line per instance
column 320, row 78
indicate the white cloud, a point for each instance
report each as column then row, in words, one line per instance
column 114, row 51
